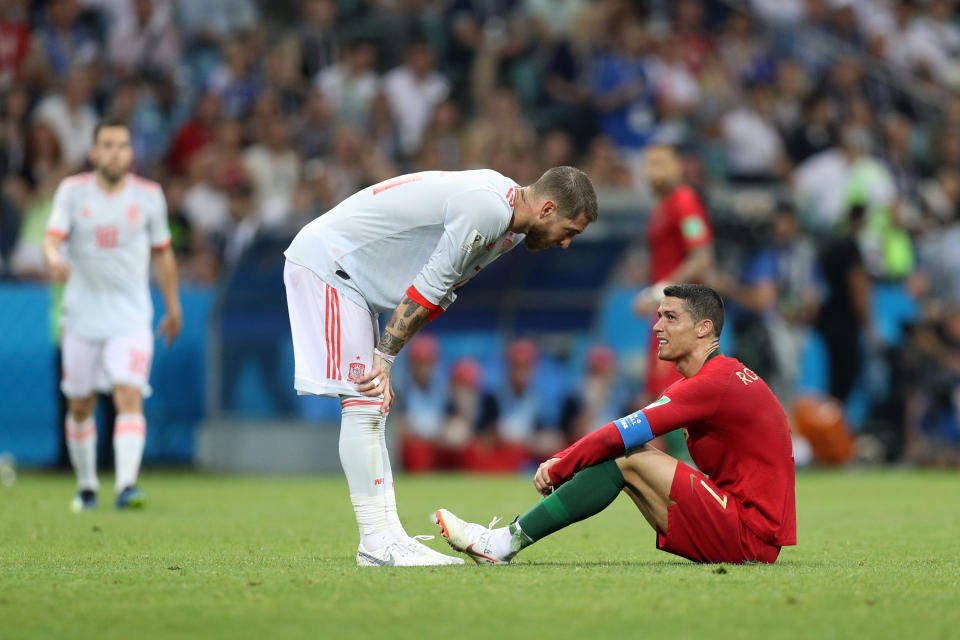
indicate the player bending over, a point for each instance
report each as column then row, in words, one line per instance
column 738, row 508
column 402, row 247
column 110, row 221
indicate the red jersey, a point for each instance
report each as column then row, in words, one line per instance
column 737, row 434
column 677, row 225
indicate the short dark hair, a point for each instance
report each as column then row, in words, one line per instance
column 700, row 301
column 109, row 122
column 571, row 189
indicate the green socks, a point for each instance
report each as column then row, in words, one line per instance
column 589, row 493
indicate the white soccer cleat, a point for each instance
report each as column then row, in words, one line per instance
column 442, row 559
column 400, row 553
column 475, row 540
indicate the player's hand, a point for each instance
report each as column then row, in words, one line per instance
column 171, row 324
column 377, row 383
column 541, row 479
column 59, row 270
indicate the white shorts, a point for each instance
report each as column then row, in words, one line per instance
column 333, row 337
column 99, row 365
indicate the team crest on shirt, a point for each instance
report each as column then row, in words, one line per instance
column 356, row 370
column 133, row 213
column 474, row 241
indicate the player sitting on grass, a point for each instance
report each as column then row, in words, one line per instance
column 739, row 509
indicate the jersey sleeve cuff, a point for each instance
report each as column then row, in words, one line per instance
column 635, row 430
column 417, row 297
column 56, row 233
column 162, row 245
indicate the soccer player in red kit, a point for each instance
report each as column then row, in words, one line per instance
column 681, row 248
column 738, row 507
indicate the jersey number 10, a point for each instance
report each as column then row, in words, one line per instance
column 107, row 237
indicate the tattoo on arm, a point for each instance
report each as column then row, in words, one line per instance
column 408, row 318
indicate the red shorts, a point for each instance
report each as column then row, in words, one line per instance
column 704, row 524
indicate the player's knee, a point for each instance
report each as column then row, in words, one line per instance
column 81, row 408
column 127, row 399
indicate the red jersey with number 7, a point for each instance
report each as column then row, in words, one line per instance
column 738, row 435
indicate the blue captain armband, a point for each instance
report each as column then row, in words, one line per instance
column 635, row 430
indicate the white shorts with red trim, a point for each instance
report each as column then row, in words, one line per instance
column 99, row 365
column 333, row 337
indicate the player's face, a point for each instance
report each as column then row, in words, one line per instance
column 554, row 231
column 112, row 153
column 663, row 168
column 675, row 331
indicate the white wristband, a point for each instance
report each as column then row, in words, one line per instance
column 384, row 356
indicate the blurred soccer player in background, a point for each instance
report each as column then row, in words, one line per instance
column 738, row 507
column 680, row 242
column 402, row 247
column 110, row 222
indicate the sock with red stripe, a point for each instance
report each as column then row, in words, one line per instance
column 389, row 492
column 82, row 447
column 129, row 436
column 588, row 493
column 361, row 426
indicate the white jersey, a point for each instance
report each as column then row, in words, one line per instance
column 108, row 238
column 423, row 234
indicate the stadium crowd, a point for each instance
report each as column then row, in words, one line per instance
column 258, row 116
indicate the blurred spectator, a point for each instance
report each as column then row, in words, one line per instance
column 754, row 149
column 233, row 239
column 598, row 398
column 313, row 129
column 623, row 91
column 692, row 35
column 318, row 37
column 282, row 78
column 195, row 134
column 14, row 42
column 13, row 131
column 845, row 319
column 351, row 84
column 60, row 44
column 815, row 132
column 206, row 206
column 70, row 114
column 517, row 431
column 413, row 92
column 235, row 80
column 144, row 40
column 442, row 138
column 9, row 231
column 775, row 302
column 603, row 165
column 677, row 91
column 210, row 21
column 274, row 168
column 940, row 197
column 933, row 408
column 428, row 439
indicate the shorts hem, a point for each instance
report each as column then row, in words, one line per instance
column 311, row 388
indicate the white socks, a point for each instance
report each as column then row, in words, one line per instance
column 390, row 496
column 129, row 435
column 361, row 431
column 82, row 446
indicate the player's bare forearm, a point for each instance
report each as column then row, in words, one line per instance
column 172, row 321
column 408, row 318
column 166, row 264
column 51, row 248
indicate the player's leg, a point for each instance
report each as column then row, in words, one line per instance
column 333, row 340
column 648, row 473
column 589, row 492
column 81, row 362
column 127, row 359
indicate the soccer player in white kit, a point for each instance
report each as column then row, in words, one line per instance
column 402, row 247
column 110, row 222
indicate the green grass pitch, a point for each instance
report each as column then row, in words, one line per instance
column 254, row 557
